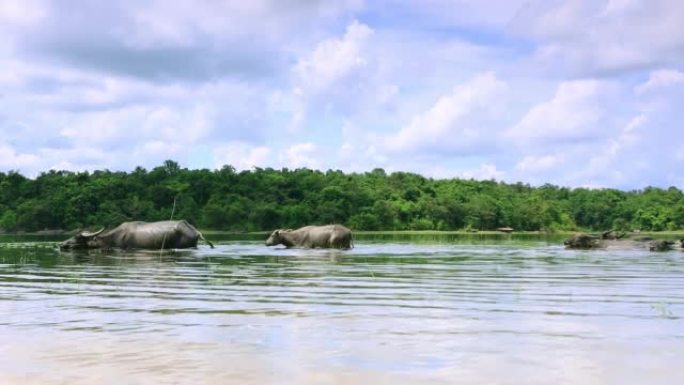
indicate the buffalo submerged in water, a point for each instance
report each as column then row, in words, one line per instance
column 138, row 235
column 612, row 239
column 311, row 237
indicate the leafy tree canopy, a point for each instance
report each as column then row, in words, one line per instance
column 264, row 198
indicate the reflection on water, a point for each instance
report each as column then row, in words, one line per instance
column 393, row 310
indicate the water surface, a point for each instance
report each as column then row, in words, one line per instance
column 394, row 310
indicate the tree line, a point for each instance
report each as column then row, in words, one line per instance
column 265, row 199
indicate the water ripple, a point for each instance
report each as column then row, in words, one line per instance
column 391, row 308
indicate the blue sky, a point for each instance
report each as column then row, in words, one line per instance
column 570, row 92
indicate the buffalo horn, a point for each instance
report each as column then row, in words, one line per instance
column 88, row 235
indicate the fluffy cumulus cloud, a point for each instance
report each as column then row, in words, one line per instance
column 301, row 155
column 587, row 37
column 456, row 123
column 662, row 79
column 573, row 92
column 333, row 60
column 572, row 114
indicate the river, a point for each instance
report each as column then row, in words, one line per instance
column 394, row 310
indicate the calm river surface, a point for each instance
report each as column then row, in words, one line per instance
column 394, row 310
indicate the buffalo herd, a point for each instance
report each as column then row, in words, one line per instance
column 181, row 234
column 612, row 238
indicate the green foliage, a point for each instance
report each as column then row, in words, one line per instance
column 8, row 220
column 364, row 221
column 264, row 199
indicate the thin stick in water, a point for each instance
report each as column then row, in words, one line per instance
column 173, row 210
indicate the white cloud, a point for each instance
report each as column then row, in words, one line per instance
column 635, row 123
column 137, row 125
column 585, row 92
column 485, row 15
column 628, row 137
column 359, row 151
column 21, row 12
column 329, row 76
column 610, row 161
column 301, row 155
column 181, row 22
column 446, row 124
column 41, row 159
column 80, row 122
column 12, row 160
column 484, row 171
column 163, row 148
column 532, row 163
column 616, row 6
column 661, row 78
column 590, row 37
column 353, row 139
column 572, row 114
column 241, row 155
column 333, row 59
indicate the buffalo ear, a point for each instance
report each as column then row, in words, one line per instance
column 277, row 232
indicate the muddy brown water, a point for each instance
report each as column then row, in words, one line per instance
column 394, row 310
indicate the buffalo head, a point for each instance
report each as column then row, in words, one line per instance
column 82, row 240
column 280, row 237
column 274, row 238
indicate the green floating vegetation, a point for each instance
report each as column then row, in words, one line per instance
column 264, row 199
column 28, row 245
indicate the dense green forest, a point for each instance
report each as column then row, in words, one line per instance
column 264, row 199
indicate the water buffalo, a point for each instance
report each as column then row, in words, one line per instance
column 311, row 237
column 660, row 245
column 139, row 235
column 613, row 235
column 584, row 241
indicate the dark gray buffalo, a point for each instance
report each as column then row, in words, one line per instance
column 311, row 237
column 584, row 241
column 660, row 245
column 138, row 235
